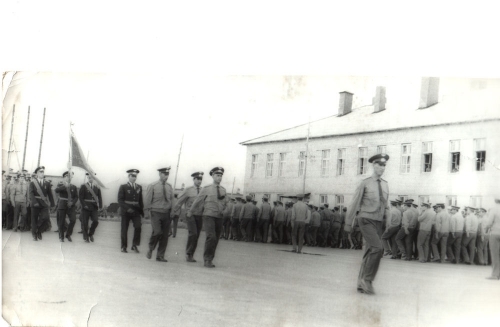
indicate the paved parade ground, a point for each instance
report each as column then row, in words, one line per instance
column 48, row 283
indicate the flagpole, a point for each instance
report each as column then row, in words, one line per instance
column 305, row 164
column 41, row 139
column 10, row 142
column 232, row 191
column 26, row 139
column 70, row 161
column 178, row 159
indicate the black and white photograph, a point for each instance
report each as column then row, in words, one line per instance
column 247, row 164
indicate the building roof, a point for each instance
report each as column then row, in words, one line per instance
column 478, row 105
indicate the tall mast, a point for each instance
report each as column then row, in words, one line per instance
column 70, row 162
column 178, row 159
column 41, row 139
column 26, row 139
column 10, row 141
column 232, row 191
column 307, row 154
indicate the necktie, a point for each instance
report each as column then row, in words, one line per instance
column 69, row 193
column 218, row 192
column 197, row 190
column 381, row 195
column 164, row 191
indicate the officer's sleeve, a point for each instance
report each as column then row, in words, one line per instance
column 293, row 214
column 51, row 197
column 81, row 195
column 141, row 201
column 181, row 199
column 242, row 212
column 355, row 203
column 200, row 199
column 149, row 197
column 121, row 198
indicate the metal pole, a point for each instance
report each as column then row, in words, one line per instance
column 26, row 139
column 232, row 191
column 178, row 159
column 41, row 139
column 305, row 163
column 70, row 162
column 10, row 141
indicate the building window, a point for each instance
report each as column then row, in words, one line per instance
column 255, row 157
column 325, row 162
column 451, row 200
column 280, row 197
column 268, row 196
column 427, row 153
column 269, row 165
column 323, row 198
column 281, row 167
column 302, row 162
column 476, row 201
column 403, row 197
column 339, row 201
column 405, row 158
column 455, row 156
column 341, row 161
column 362, row 161
column 480, row 149
column 423, row 199
column 381, row 149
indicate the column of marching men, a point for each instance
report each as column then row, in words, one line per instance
column 431, row 234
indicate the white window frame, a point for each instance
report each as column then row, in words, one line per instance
column 325, row 162
column 423, row 199
column 362, row 160
column 426, row 151
column 339, row 200
column 405, row 158
column 255, row 159
column 282, row 164
column 323, row 198
column 302, row 162
column 403, row 197
column 269, row 165
column 268, row 195
column 341, row 154
column 451, row 200
column 480, row 147
column 476, row 201
column 381, row 149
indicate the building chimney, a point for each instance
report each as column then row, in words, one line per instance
column 429, row 92
column 345, row 103
column 379, row 99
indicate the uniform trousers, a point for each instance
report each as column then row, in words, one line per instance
column 136, row 221
column 442, row 241
column 10, row 215
column 246, row 229
column 160, row 223
column 405, row 241
column 226, row 226
column 312, row 235
column 173, row 226
column 389, row 240
column 469, row 247
column 278, row 231
column 262, row 230
column 213, row 230
column 4, row 212
column 194, row 225
column 27, row 226
column 93, row 215
column 19, row 209
column 298, row 230
column 480, row 249
column 372, row 233
column 494, row 241
column 335, row 231
column 39, row 220
column 423, row 244
column 325, row 231
column 61, row 221
column 235, row 229
column 455, row 246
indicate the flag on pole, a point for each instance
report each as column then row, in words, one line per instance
column 77, row 159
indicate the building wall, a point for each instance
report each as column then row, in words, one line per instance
column 437, row 184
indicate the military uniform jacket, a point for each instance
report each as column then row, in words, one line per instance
column 427, row 219
column 235, row 213
column 86, row 198
column 187, row 198
column 62, row 190
column 264, row 211
column 20, row 193
column 131, row 198
column 248, row 211
column 213, row 206
column 36, row 198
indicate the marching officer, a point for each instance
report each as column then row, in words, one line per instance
column 370, row 198
column 41, row 199
column 19, row 198
column 131, row 208
column 91, row 201
column 68, row 196
column 301, row 215
column 194, row 222
column 492, row 227
column 213, row 199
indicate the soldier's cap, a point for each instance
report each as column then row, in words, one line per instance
column 217, row 170
column 87, row 174
column 300, row 196
column 326, row 205
column 254, row 202
column 381, row 158
column 427, row 204
column 279, row 202
column 482, row 209
column 238, row 198
column 415, row 206
column 198, row 174
column 133, row 172
column 440, row 205
column 25, row 171
column 38, row 168
column 336, row 207
column 248, row 198
column 165, row 170
column 398, row 201
column 455, row 208
column 470, row 208
column 265, row 198
column 21, row 175
column 65, row 173
column 408, row 202
column 394, row 203
column 310, row 205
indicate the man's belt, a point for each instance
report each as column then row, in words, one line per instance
column 63, row 199
column 89, row 200
column 132, row 202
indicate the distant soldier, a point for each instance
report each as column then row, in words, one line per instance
column 175, row 218
column 19, row 197
column 253, row 237
column 235, row 219
column 288, row 223
column 263, row 221
column 11, row 205
column 300, row 217
column 371, row 199
column 344, row 239
column 214, row 200
column 324, row 230
column 195, row 221
column 226, row 223
column 68, row 196
column 5, row 199
column 480, row 240
column 158, row 201
column 492, row 226
column 279, row 222
column 404, row 237
column 426, row 220
column 313, row 227
column 392, row 228
column 335, row 227
column 131, row 209
column 442, row 230
column 91, row 200
column 247, row 216
column 41, row 199
column 27, row 226
column 469, row 239
column 456, row 231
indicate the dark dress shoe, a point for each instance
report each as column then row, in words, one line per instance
column 135, row 249
column 61, row 240
column 87, row 241
column 209, row 264
column 35, row 238
column 367, row 287
column 161, row 259
column 124, row 250
column 39, row 235
column 91, row 238
column 80, row 232
column 15, row 230
column 189, row 258
column 149, row 254
column 69, row 238
column 56, row 231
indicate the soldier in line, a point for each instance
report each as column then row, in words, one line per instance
column 19, row 198
column 131, row 209
column 288, row 223
column 344, row 239
column 27, row 226
column 492, row 226
column 480, row 240
column 235, row 219
column 404, row 238
column 315, row 222
column 469, row 238
column 91, row 200
column 456, row 231
column 10, row 208
column 247, row 216
column 255, row 222
column 442, row 230
column 194, row 222
column 326, row 219
column 42, row 199
column 68, row 196
column 279, row 222
column 426, row 220
column 226, row 223
column 300, row 217
column 391, row 230
column 335, row 226
column 263, row 221
column 175, row 218
column 214, row 200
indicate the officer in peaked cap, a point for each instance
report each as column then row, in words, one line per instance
column 371, row 197
column 195, row 222
column 213, row 199
column 131, row 209
column 41, row 199
column 68, row 196
column 159, row 203
column 91, row 201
